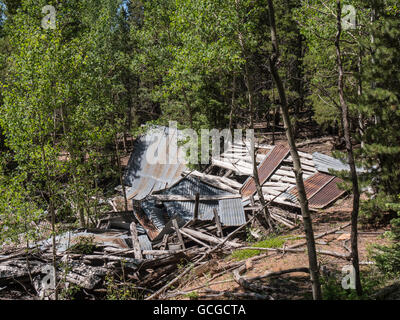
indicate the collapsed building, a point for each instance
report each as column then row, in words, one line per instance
column 176, row 214
column 159, row 192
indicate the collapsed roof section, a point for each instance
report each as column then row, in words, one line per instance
column 277, row 178
column 148, row 169
column 179, row 201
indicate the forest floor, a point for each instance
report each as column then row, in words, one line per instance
column 296, row 286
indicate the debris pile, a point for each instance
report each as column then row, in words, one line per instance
column 178, row 219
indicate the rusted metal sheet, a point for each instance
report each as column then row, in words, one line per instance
column 151, row 229
column 321, row 190
column 313, row 184
column 265, row 169
column 328, row 194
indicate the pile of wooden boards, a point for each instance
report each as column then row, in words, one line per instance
column 27, row 269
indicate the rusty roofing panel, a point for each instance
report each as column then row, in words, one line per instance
column 329, row 193
column 151, row 229
column 265, row 169
column 313, row 184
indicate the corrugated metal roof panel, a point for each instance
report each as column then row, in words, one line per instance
column 313, row 184
column 145, row 177
column 230, row 211
column 265, row 169
column 321, row 190
column 329, row 193
column 145, row 243
column 325, row 163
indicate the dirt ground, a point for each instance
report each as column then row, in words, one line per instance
column 297, row 285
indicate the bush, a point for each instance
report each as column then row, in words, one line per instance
column 387, row 258
column 371, row 281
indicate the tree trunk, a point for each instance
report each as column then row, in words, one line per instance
column 120, row 173
column 54, row 249
column 349, row 148
column 312, row 255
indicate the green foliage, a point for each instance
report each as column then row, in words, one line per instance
column 272, row 242
column 371, row 281
column 69, row 292
column 381, row 101
column 192, row 295
column 387, row 258
column 121, row 291
column 19, row 215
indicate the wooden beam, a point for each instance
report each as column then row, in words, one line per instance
column 178, row 233
column 208, row 238
column 218, row 223
column 135, row 242
column 226, row 165
column 194, row 239
column 164, row 242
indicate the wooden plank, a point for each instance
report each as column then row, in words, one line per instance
column 230, row 166
column 218, row 223
column 160, row 252
column 278, row 200
column 227, row 174
column 135, row 242
column 238, row 163
column 218, row 181
column 303, row 161
column 285, row 173
column 164, row 241
column 178, row 233
column 303, row 167
column 277, row 185
column 194, row 239
column 271, row 191
column 213, row 181
column 232, row 183
column 166, row 197
column 208, row 238
column 280, row 178
column 305, row 155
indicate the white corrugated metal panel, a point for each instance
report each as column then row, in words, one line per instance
column 148, row 168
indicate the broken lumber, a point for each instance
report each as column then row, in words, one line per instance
column 208, row 238
column 135, row 241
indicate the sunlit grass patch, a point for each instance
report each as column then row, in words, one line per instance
column 273, row 242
